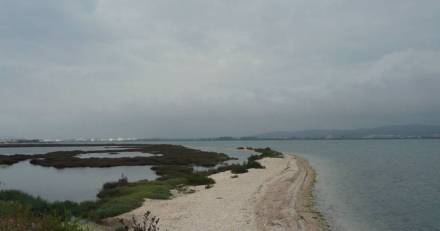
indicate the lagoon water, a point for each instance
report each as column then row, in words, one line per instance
column 80, row 184
column 362, row 185
column 43, row 150
column 74, row 184
column 115, row 155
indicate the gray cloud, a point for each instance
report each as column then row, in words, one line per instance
column 209, row 68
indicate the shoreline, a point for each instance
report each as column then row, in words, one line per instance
column 308, row 206
column 279, row 197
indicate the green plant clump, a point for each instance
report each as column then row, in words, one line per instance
column 16, row 217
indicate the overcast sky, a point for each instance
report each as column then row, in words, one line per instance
column 198, row 68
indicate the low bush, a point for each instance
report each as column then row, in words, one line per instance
column 199, row 179
column 17, row 217
column 268, row 152
column 121, row 182
column 172, row 171
column 123, row 199
column 36, row 204
column 238, row 168
column 253, row 163
column 148, row 223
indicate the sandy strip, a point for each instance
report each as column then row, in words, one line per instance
column 275, row 198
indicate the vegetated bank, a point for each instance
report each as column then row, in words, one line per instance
column 166, row 154
column 174, row 165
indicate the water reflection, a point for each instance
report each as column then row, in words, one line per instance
column 44, row 150
column 75, row 184
column 115, row 155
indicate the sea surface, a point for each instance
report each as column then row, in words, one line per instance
column 369, row 185
column 362, row 185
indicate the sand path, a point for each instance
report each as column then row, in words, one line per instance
column 275, row 198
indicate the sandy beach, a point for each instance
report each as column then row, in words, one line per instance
column 275, row 198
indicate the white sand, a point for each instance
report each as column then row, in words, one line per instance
column 275, row 198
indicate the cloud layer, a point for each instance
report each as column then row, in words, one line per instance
column 209, row 68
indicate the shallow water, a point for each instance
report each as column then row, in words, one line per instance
column 369, row 185
column 44, row 150
column 115, row 155
column 75, row 184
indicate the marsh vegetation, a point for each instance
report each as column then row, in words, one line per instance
column 174, row 167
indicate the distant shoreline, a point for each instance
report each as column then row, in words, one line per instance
column 137, row 142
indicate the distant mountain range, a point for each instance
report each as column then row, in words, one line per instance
column 385, row 132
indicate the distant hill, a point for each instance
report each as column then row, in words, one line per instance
column 398, row 131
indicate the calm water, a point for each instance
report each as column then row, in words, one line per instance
column 75, row 184
column 115, row 155
column 43, row 150
column 374, row 185
column 80, row 184
column 370, row 185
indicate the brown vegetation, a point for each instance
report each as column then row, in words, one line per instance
column 170, row 155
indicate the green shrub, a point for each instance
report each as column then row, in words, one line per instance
column 16, row 217
column 199, row 179
column 253, row 163
column 268, row 152
column 238, row 168
column 35, row 203
column 123, row 199
column 121, row 182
